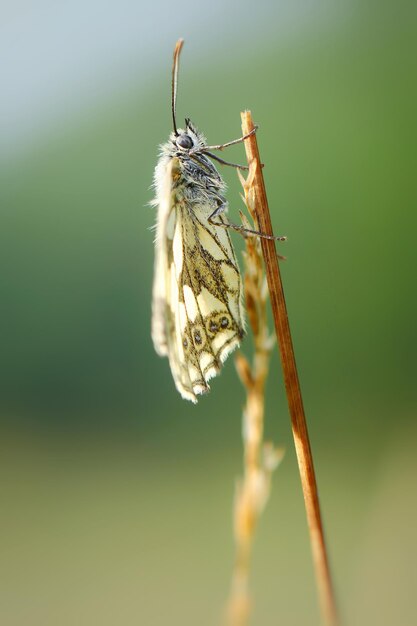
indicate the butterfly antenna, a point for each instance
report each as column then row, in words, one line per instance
column 175, row 67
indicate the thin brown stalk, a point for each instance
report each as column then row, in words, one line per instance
column 260, row 459
column 292, row 385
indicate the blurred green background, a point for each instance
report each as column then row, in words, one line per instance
column 116, row 495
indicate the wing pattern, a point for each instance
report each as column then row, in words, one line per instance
column 197, row 315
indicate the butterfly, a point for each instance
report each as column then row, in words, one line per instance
column 197, row 300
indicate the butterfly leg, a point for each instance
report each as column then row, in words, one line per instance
column 221, row 146
column 240, row 229
column 223, row 162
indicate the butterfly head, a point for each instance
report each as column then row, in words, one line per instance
column 188, row 139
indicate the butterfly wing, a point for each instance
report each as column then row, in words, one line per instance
column 161, row 278
column 166, row 323
column 197, row 295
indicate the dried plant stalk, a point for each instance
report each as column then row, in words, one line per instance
column 259, row 459
column 292, row 385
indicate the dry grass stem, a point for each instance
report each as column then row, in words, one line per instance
column 260, row 459
column 292, row 385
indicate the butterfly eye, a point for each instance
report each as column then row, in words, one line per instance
column 185, row 141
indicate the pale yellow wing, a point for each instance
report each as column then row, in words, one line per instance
column 163, row 203
column 197, row 310
column 166, row 334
